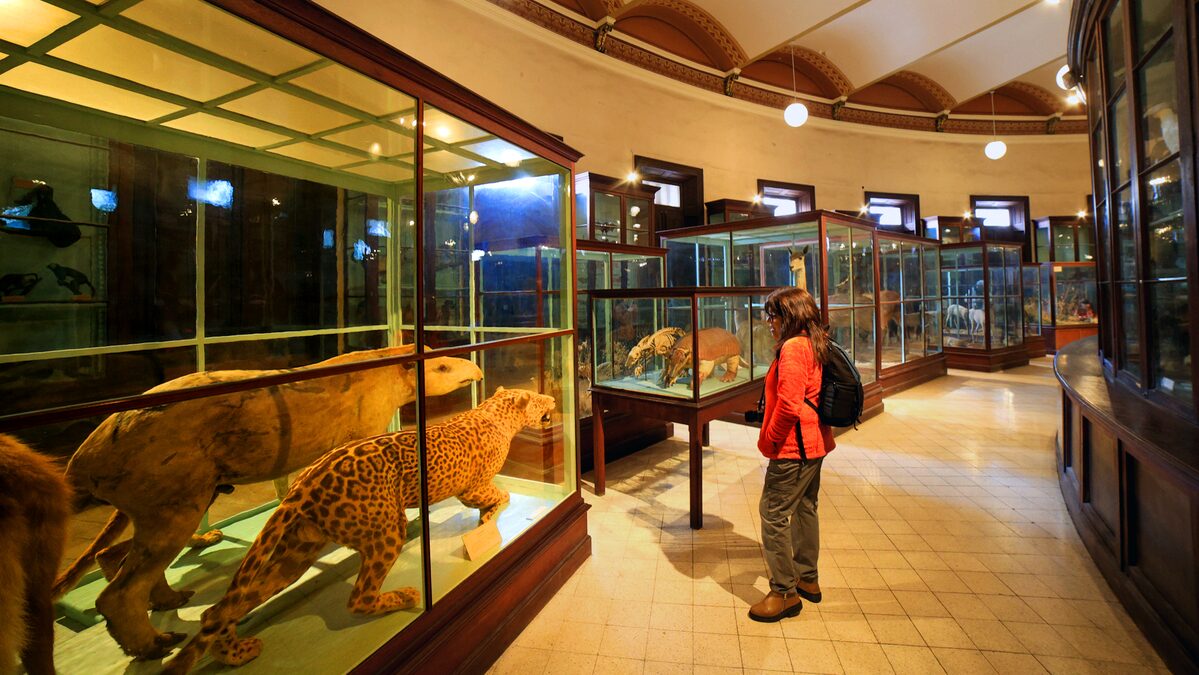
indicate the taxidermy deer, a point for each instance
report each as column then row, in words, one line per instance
column 799, row 266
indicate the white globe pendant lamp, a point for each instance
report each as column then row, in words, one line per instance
column 996, row 149
column 797, row 113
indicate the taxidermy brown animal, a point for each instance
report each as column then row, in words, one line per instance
column 798, row 262
column 658, row 343
column 717, row 347
column 160, row 467
column 34, row 506
column 356, row 495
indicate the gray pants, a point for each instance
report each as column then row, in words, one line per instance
column 790, row 528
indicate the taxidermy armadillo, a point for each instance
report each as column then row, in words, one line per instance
column 717, row 347
column 18, row 284
column 71, row 278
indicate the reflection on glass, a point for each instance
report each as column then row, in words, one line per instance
column 1162, row 195
column 1117, row 121
column 1130, row 318
column 1126, row 267
column 606, row 226
column 1151, row 19
column 1170, row 340
column 1158, row 93
column 840, row 269
column 1032, row 299
column 1063, row 242
column 1074, row 290
column 1113, row 42
column 1043, row 241
column 637, row 232
column 863, row 343
column 1086, row 240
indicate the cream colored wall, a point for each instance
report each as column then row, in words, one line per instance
column 610, row 111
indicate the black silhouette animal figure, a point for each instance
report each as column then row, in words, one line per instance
column 71, row 278
column 18, row 284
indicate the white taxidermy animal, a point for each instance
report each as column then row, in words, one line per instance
column 957, row 316
column 977, row 318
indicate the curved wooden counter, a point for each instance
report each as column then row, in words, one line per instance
column 1129, row 474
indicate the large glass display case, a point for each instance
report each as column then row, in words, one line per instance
column 983, row 299
column 1037, row 307
column 1072, row 304
column 909, row 299
column 1065, row 239
column 614, row 211
column 802, row 249
column 286, row 255
column 733, row 210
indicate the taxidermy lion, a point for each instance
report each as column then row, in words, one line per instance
column 34, row 506
column 161, row 467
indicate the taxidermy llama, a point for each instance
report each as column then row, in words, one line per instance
column 356, row 495
column 34, row 506
column 161, row 467
column 799, row 266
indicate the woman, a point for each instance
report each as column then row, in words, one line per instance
column 796, row 443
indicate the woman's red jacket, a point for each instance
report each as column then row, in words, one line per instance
column 794, row 376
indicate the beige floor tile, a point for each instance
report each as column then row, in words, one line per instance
column 991, row 635
column 567, row 663
column 848, row 628
column 941, row 632
column 717, row 650
column 808, row 626
column 895, row 630
column 813, row 656
column 630, row 613
column 714, row 670
column 622, row 642
column 671, row 617
column 611, row 665
column 764, row 653
column 670, row 645
column 963, row 661
column 903, row 580
column 1009, row 608
column 966, row 606
column 582, row 638
column 1024, row 664
column 857, row 657
column 1063, row 665
column 863, row 577
column 1041, row 639
column 921, row 603
column 944, row 581
column 721, row 620
column 519, row 660
column 873, row 601
column 905, row 659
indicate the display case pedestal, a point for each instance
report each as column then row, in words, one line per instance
column 1035, row 345
column 695, row 415
column 1057, row 337
column 987, row 361
column 908, row 375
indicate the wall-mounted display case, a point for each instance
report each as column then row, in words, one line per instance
column 1129, row 450
column 733, row 210
column 1065, row 239
column 1072, row 303
column 953, row 229
column 614, row 211
column 909, row 305
column 1037, row 307
column 983, row 299
column 178, row 211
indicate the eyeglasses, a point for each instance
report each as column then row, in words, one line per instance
column 771, row 316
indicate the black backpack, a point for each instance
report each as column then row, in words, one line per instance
column 841, row 395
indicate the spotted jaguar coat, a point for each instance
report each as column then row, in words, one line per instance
column 355, row 495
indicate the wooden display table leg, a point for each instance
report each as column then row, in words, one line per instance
column 696, row 470
column 707, row 437
column 597, row 443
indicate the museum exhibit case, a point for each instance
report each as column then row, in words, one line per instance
column 1073, row 303
column 732, row 210
column 982, row 296
column 952, row 229
column 686, row 355
column 290, row 237
column 828, row 253
column 909, row 310
column 1037, row 305
column 1128, row 446
column 604, row 267
column 614, row 211
column 1065, row 239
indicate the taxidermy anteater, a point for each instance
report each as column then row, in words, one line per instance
column 34, row 506
column 71, row 278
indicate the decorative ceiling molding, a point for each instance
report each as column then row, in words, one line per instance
column 817, row 68
column 701, row 28
column 816, row 74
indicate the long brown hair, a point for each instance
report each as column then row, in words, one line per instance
column 800, row 316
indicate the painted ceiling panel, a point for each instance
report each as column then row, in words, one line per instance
column 884, row 36
column 24, row 22
column 1027, row 41
column 762, row 25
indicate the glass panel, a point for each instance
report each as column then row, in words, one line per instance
column 1130, row 320
column 746, row 268
column 1126, row 267
column 1047, row 318
column 1170, row 340
column 636, row 338
column 638, row 232
column 965, row 304
column 1113, row 43
column 890, row 269
column 1076, row 294
column 1097, row 164
column 582, row 210
column 913, row 281
column 1063, row 243
column 863, row 344
column 1158, row 94
column 1086, row 240
column 1152, row 18
column 1117, row 122
column 607, row 218
column 636, row 271
column 840, row 268
column 1043, row 241
column 1032, row 299
column 913, row 327
column 933, row 325
column 1162, row 191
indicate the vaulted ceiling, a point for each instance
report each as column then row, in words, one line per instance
column 921, row 64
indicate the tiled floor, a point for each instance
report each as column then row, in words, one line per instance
column 945, row 548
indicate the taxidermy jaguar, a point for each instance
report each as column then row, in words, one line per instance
column 356, row 495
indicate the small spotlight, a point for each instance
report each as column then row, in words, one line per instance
column 757, row 199
column 1072, row 99
column 632, row 177
column 966, row 215
column 1053, row 2
column 864, row 208
column 1082, row 214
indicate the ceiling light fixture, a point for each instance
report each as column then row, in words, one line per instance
column 632, row 177
column 797, row 113
column 1061, row 77
column 1072, row 99
column 996, row 149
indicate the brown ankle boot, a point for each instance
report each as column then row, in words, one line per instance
column 808, row 590
column 775, row 607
